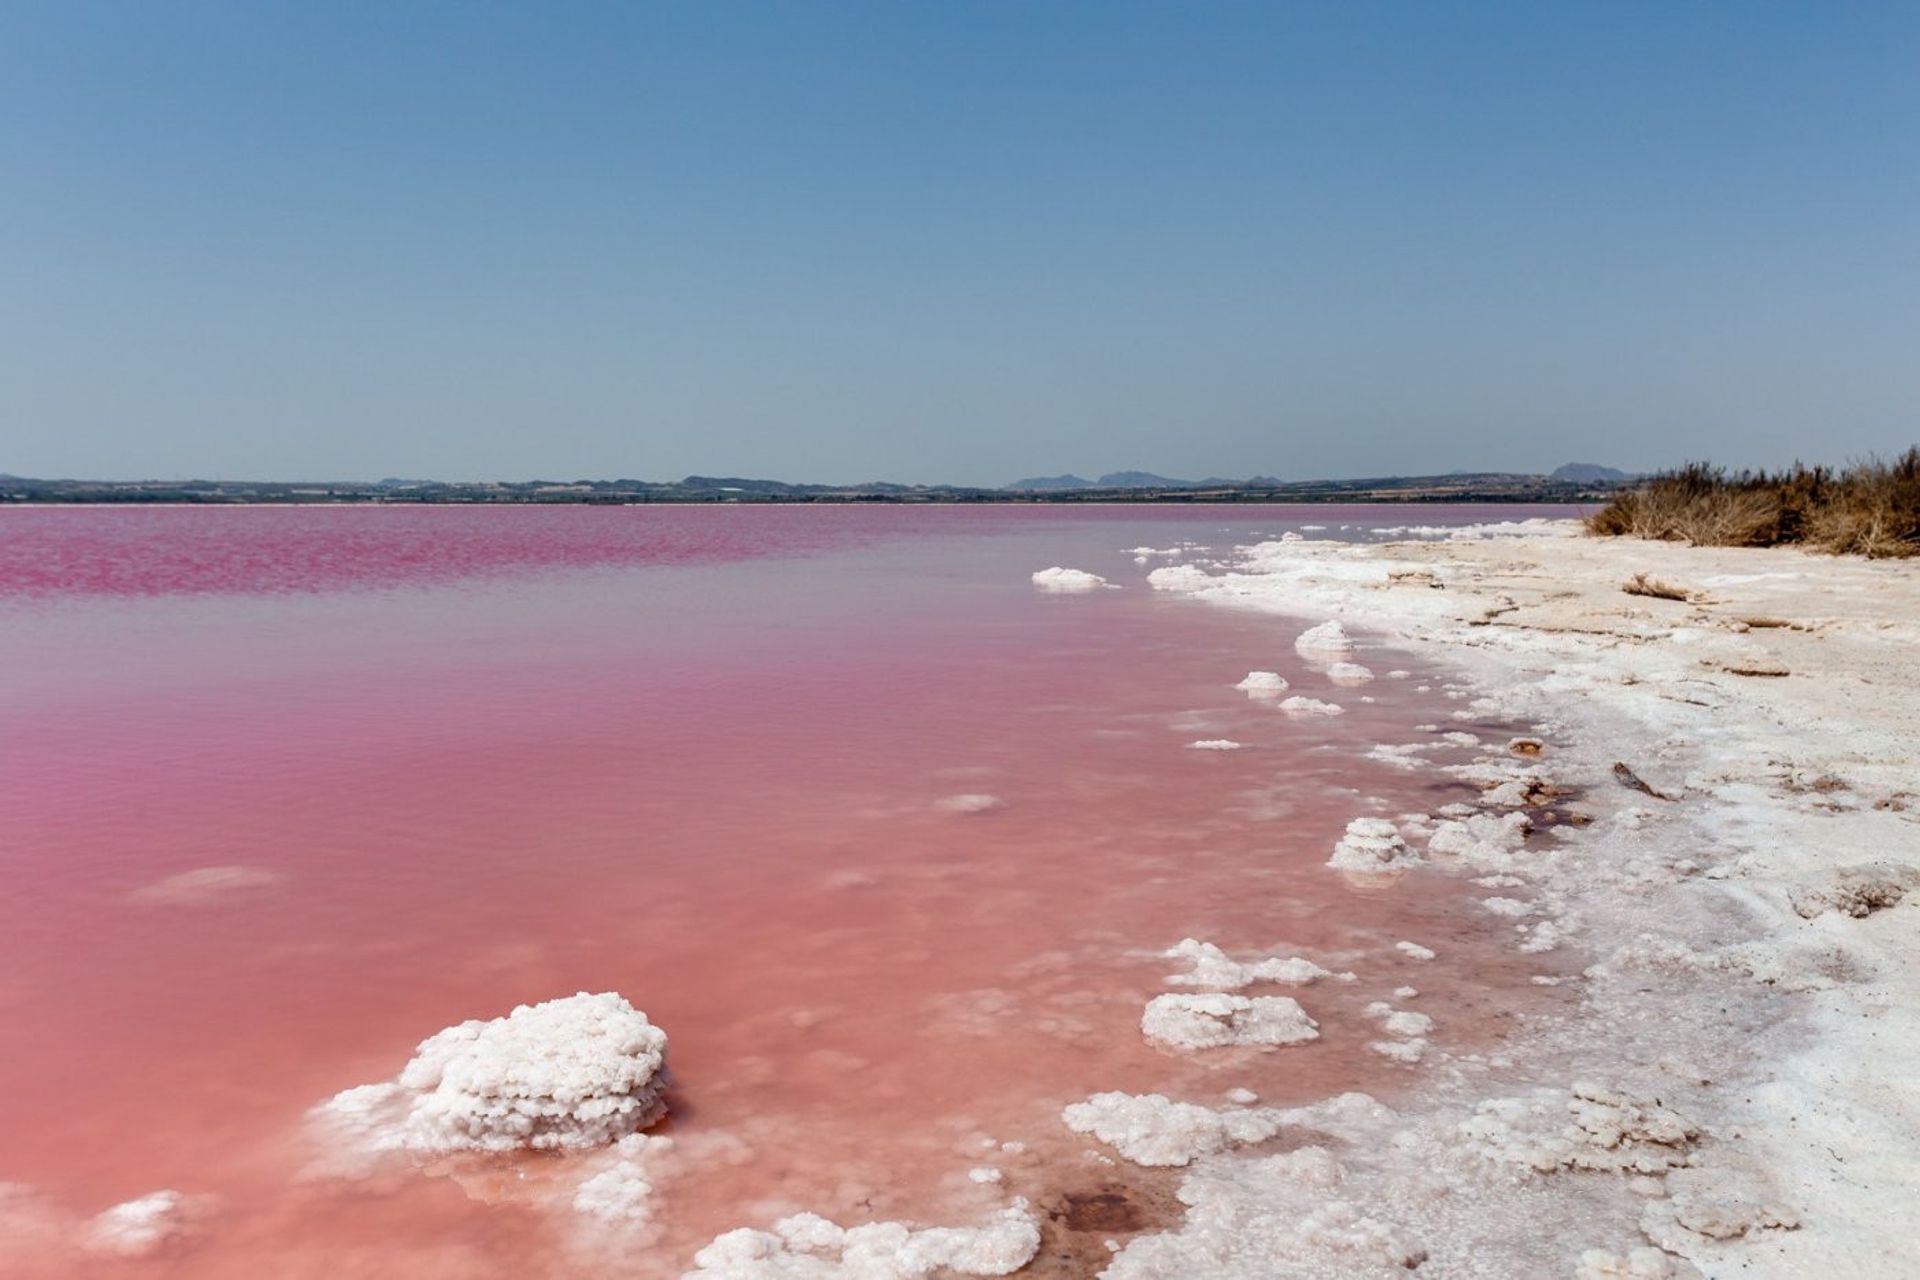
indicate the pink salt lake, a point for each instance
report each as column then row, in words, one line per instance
column 445, row 761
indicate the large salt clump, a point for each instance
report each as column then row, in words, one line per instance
column 1372, row 844
column 569, row 1074
column 1217, row 1021
column 1179, row 577
column 1059, row 579
column 1263, row 684
column 1328, row 640
column 807, row 1246
column 1153, row 1130
column 1215, row 970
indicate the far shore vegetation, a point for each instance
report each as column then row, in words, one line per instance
column 1870, row 508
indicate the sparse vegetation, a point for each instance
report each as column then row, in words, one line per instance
column 1871, row 508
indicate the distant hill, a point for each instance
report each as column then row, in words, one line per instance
column 1143, row 480
column 1113, row 480
column 1589, row 473
column 1048, row 484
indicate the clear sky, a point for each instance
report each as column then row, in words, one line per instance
column 964, row 242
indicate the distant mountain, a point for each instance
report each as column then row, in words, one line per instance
column 1051, row 483
column 1589, row 473
column 1142, row 480
column 1114, row 480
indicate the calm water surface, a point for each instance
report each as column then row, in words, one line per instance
column 463, row 759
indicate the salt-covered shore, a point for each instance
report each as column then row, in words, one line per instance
column 1733, row 1089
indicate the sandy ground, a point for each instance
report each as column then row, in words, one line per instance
column 1733, row 1086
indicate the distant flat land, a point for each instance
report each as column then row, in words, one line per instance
column 1478, row 487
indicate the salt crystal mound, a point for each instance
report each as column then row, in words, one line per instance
column 1214, row 970
column 1328, row 640
column 1179, row 577
column 1372, row 844
column 1348, row 673
column 569, row 1074
column 1262, row 684
column 1059, row 579
column 1152, row 1130
column 810, row 1247
column 1484, row 841
column 1220, row 1021
column 1214, row 744
column 139, row 1227
column 1414, row 951
column 1311, row 707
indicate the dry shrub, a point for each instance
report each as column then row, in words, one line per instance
column 1872, row 508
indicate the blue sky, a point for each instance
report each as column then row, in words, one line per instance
column 965, row 242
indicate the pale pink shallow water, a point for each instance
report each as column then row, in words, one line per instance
column 693, row 755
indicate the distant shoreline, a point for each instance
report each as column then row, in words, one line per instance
column 1488, row 488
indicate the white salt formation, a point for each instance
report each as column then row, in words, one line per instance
column 1484, row 841
column 1591, row 1127
column 1348, row 673
column 1214, row 970
column 971, row 802
column 1372, row 844
column 1059, row 579
column 573, row 1073
column 810, row 1247
column 1414, row 951
column 139, row 1227
column 1297, row 706
column 620, row 1195
column 1281, row 1217
column 1150, row 1129
column 1215, row 744
column 1328, row 640
column 1218, row 1021
column 203, row 885
column 1263, row 684
column 1179, row 577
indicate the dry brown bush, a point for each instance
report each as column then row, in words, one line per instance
column 1872, row 508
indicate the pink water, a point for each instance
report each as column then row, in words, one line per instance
column 693, row 755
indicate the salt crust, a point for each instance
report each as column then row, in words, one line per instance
column 1152, row 1130
column 1735, row 883
column 1216, row 1021
column 1059, row 579
column 807, row 1246
column 1214, row 744
column 1372, row 844
column 1348, row 673
column 568, row 1074
column 1298, row 706
column 1591, row 1126
column 1214, row 970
